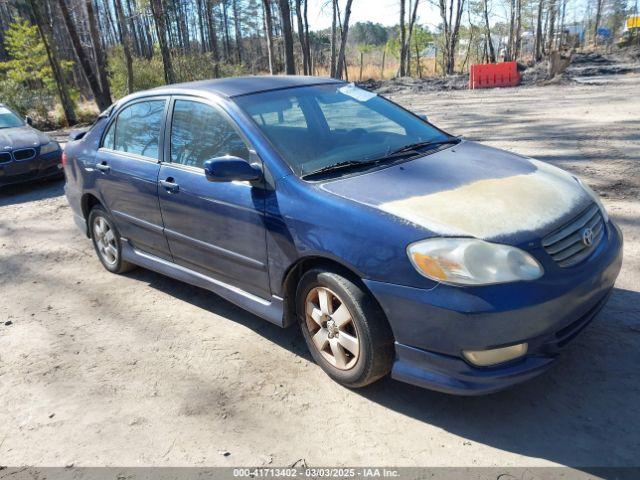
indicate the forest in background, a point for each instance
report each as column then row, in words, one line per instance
column 62, row 61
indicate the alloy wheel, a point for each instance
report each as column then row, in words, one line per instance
column 331, row 328
column 105, row 240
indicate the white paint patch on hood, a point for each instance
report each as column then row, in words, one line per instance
column 494, row 207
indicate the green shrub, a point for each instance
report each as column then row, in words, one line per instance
column 149, row 73
column 26, row 80
column 146, row 73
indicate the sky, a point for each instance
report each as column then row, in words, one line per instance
column 386, row 12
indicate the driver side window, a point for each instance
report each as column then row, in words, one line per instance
column 137, row 129
column 200, row 132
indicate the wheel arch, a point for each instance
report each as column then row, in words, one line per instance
column 294, row 273
column 88, row 201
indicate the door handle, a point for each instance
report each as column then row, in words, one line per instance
column 103, row 167
column 170, row 185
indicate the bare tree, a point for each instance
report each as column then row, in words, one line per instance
column 201, row 25
column 596, row 23
column 212, row 31
column 403, row 42
column 562, row 24
column 412, row 21
column 161, row 30
column 512, row 25
column 517, row 40
column 285, row 20
column 342, row 66
column 451, row 14
column 44, row 28
column 237, row 30
column 268, row 30
column 306, row 35
column 303, row 36
column 538, row 42
column 126, row 43
column 487, row 31
column 334, row 36
column 101, row 59
column 552, row 24
column 102, row 98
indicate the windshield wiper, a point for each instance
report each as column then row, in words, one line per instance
column 347, row 165
column 415, row 146
column 390, row 156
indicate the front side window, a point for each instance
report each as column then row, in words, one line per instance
column 335, row 124
column 200, row 132
column 136, row 130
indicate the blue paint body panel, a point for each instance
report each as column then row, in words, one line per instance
column 240, row 240
column 433, row 327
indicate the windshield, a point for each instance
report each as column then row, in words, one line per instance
column 316, row 127
column 8, row 119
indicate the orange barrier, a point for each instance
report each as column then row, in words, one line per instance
column 491, row 75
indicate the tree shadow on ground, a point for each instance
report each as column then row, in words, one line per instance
column 583, row 412
column 31, row 192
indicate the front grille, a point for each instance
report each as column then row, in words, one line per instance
column 5, row 157
column 24, row 154
column 566, row 245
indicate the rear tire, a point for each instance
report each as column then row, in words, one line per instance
column 345, row 329
column 106, row 241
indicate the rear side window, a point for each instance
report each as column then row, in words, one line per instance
column 200, row 132
column 136, row 130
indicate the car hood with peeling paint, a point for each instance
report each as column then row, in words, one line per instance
column 471, row 190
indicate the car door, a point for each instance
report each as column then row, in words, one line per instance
column 128, row 164
column 214, row 228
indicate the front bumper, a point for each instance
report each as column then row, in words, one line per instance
column 432, row 327
column 40, row 167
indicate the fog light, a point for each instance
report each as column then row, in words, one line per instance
column 485, row 358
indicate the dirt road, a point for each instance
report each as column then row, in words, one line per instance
column 97, row 369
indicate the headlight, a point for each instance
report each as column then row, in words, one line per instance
column 49, row 147
column 595, row 197
column 468, row 261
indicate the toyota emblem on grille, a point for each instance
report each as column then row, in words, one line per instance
column 587, row 237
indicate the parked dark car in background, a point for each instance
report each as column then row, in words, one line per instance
column 394, row 246
column 25, row 153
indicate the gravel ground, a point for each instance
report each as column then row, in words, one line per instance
column 98, row 369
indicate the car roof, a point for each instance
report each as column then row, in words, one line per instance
column 236, row 86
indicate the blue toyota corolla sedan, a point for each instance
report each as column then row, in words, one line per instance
column 25, row 153
column 396, row 247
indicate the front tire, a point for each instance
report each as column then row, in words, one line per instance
column 344, row 328
column 106, row 241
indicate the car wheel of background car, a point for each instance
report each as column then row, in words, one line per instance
column 106, row 241
column 345, row 330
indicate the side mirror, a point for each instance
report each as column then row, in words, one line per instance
column 229, row 168
column 423, row 117
column 77, row 134
column 29, row 120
